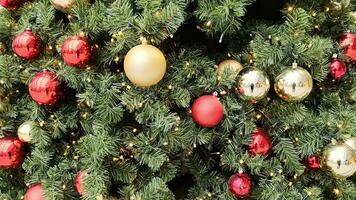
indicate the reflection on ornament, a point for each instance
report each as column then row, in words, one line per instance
column 76, row 51
column 27, row 45
column 229, row 66
column 252, row 84
column 45, row 88
column 240, row 185
column 337, row 68
column 293, row 84
column 341, row 159
column 11, row 152
column 351, row 142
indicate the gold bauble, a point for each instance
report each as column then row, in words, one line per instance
column 351, row 142
column 229, row 66
column 340, row 159
column 293, row 84
column 252, row 84
column 145, row 65
column 63, row 5
column 24, row 132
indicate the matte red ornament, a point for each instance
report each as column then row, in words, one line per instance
column 45, row 88
column 348, row 42
column 207, row 111
column 313, row 162
column 337, row 69
column 27, row 45
column 76, row 51
column 79, row 182
column 240, row 185
column 12, row 4
column 11, row 152
column 35, row 192
column 261, row 143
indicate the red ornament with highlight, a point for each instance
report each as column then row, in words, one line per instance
column 240, row 185
column 313, row 162
column 348, row 42
column 337, row 69
column 11, row 152
column 260, row 144
column 76, row 51
column 79, row 182
column 27, row 45
column 45, row 88
column 35, row 192
column 12, row 4
column 207, row 111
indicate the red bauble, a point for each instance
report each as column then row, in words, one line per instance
column 337, row 69
column 240, row 185
column 12, row 4
column 261, row 143
column 27, row 45
column 76, row 51
column 348, row 42
column 79, row 182
column 35, row 192
column 313, row 162
column 45, row 88
column 11, row 152
column 207, row 111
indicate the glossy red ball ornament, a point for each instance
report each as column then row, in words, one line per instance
column 337, row 69
column 240, row 185
column 12, row 4
column 348, row 42
column 260, row 144
column 76, row 51
column 11, row 152
column 45, row 88
column 79, row 182
column 207, row 111
column 35, row 192
column 27, row 45
column 313, row 162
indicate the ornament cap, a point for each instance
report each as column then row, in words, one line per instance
column 28, row 29
column 294, row 65
column 334, row 55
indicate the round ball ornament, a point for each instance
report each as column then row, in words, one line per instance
column 348, row 43
column 35, row 192
column 229, row 66
column 341, row 160
column 240, row 185
column 24, row 131
column 294, row 84
column 252, row 84
column 351, row 142
column 313, row 162
column 45, row 88
column 27, row 45
column 260, row 144
column 207, row 111
column 12, row 4
column 11, row 152
column 145, row 65
column 63, row 5
column 337, row 68
column 79, row 178
column 76, row 51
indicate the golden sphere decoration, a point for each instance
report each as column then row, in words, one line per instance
column 340, row 159
column 294, row 84
column 351, row 142
column 145, row 65
column 229, row 66
column 252, row 84
column 24, row 131
column 63, row 5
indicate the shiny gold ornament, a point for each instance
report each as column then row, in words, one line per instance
column 24, row 132
column 145, row 65
column 229, row 66
column 351, row 142
column 252, row 84
column 340, row 159
column 63, row 5
column 293, row 84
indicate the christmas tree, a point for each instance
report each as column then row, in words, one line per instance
column 177, row 99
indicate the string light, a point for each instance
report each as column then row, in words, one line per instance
column 208, row 23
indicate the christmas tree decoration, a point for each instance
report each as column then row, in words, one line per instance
column 348, row 43
column 12, row 4
column 35, row 192
column 231, row 66
column 207, row 111
column 351, row 142
column 11, row 152
column 294, row 84
column 24, row 131
column 45, row 88
column 260, row 144
column 337, row 68
column 313, row 162
column 252, row 85
column 79, row 178
column 63, row 5
column 27, row 45
column 341, row 160
column 76, row 51
column 240, row 185
column 145, row 65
